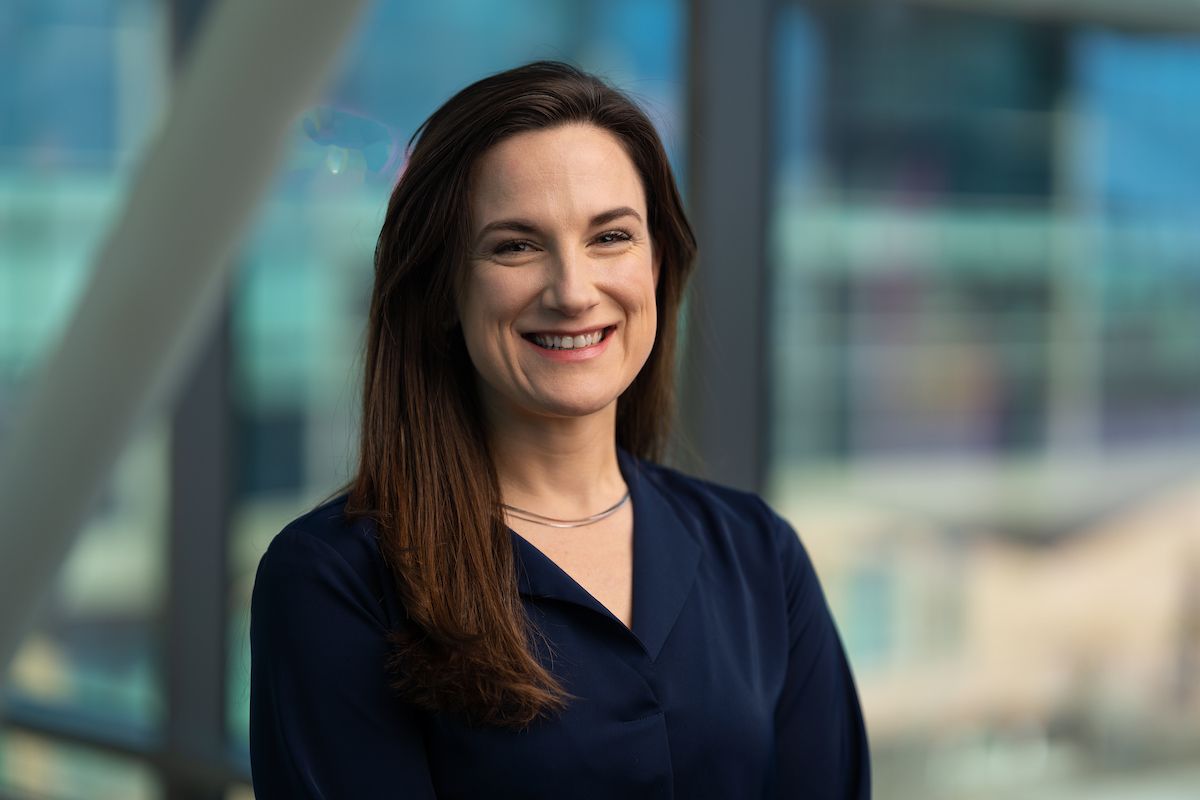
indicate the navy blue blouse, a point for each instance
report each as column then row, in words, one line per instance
column 732, row 682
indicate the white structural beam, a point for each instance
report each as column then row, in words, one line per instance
column 158, row 279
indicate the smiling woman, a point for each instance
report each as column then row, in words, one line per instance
column 558, row 322
column 511, row 599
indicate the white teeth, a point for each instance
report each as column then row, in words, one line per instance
column 568, row 342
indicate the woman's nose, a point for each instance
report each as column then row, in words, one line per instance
column 569, row 288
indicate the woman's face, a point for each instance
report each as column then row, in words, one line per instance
column 557, row 306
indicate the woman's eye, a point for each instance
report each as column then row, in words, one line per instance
column 515, row 246
column 613, row 237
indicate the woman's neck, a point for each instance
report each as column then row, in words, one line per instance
column 558, row 467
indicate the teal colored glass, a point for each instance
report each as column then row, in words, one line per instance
column 81, row 90
column 983, row 312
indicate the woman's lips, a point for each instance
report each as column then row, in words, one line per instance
column 578, row 350
column 552, row 340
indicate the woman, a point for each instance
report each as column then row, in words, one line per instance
column 511, row 600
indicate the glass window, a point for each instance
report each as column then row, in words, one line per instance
column 38, row 767
column 240, row 792
column 82, row 85
column 1135, row 173
column 95, row 649
column 302, row 292
column 985, row 387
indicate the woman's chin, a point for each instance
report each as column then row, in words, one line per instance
column 566, row 407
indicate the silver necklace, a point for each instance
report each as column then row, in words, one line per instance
column 551, row 522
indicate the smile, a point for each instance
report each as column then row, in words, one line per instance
column 553, row 341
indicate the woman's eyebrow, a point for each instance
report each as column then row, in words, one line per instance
column 526, row 227
column 606, row 217
column 514, row 225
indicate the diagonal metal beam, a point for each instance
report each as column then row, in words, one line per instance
column 158, row 278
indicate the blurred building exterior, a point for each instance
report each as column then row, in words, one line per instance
column 982, row 363
column 986, row 386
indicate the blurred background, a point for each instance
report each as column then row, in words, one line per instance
column 957, row 246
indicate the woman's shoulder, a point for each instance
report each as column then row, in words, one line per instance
column 352, row 538
column 328, row 549
column 712, row 507
column 685, row 489
column 739, row 527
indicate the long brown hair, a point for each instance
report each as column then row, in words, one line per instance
column 424, row 473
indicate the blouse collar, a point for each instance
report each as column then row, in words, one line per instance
column 666, row 555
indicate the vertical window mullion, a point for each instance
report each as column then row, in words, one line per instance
column 194, row 628
column 724, row 402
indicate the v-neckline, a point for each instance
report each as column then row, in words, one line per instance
column 574, row 583
column 665, row 558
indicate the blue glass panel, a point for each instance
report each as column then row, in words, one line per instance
column 80, row 90
column 985, row 385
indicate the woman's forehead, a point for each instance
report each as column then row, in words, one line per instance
column 568, row 171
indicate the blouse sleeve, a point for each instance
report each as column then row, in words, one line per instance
column 821, row 737
column 323, row 722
